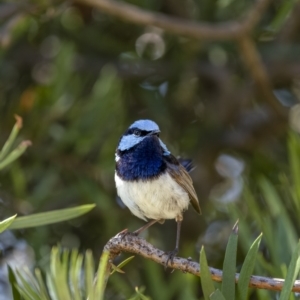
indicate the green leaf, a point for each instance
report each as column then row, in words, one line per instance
column 51, row 286
column 139, row 294
column 13, row 283
column 16, row 153
column 42, row 286
column 58, row 269
column 89, row 274
column 64, row 278
column 50, row 217
column 292, row 273
column 102, row 276
column 76, row 261
column 206, row 281
column 30, row 287
column 116, row 269
column 294, row 162
column 27, row 289
column 121, row 265
column 229, row 265
column 217, row 295
column 6, row 223
column 8, row 144
column 247, row 270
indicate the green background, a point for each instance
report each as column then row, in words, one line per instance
column 79, row 78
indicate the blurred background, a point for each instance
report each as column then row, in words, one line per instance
column 79, row 77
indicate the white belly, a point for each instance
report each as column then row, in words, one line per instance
column 160, row 198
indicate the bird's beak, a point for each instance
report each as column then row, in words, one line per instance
column 154, row 132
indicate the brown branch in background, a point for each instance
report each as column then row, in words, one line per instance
column 192, row 29
column 197, row 30
column 254, row 64
column 133, row 244
column 254, row 15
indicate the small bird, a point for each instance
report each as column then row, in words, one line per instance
column 151, row 182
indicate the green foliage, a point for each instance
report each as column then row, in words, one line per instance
column 38, row 219
column 217, row 295
column 229, row 265
column 65, row 278
column 292, row 274
column 75, row 76
column 271, row 209
column 51, row 217
column 229, row 272
column 70, row 276
column 139, row 294
column 206, row 281
column 13, row 280
column 294, row 159
column 121, row 265
column 247, row 270
column 6, row 223
column 6, row 155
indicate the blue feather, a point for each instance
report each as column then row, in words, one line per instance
column 143, row 161
column 146, row 125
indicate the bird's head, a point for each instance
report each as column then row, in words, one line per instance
column 137, row 132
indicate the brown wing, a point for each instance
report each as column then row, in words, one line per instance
column 178, row 172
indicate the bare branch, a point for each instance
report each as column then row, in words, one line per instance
column 192, row 29
column 133, row 244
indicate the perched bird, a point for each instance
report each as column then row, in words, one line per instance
column 151, row 182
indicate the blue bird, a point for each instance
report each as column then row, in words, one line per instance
column 151, row 182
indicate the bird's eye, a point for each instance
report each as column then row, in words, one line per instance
column 137, row 132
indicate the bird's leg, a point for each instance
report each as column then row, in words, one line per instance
column 174, row 252
column 138, row 231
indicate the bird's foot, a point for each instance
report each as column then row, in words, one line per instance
column 124, row 233
column 171, row 255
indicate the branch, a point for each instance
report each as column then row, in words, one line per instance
column 239, row 32
column 253, row 62
column 179, row 26
column 132, row 244
column 254, row 15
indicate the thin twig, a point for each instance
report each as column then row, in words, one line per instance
column 133, row 244
column 197, row 30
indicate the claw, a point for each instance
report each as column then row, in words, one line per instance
column 123, row 233
column 171, row 255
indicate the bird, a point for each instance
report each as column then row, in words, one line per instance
column 152, row 182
